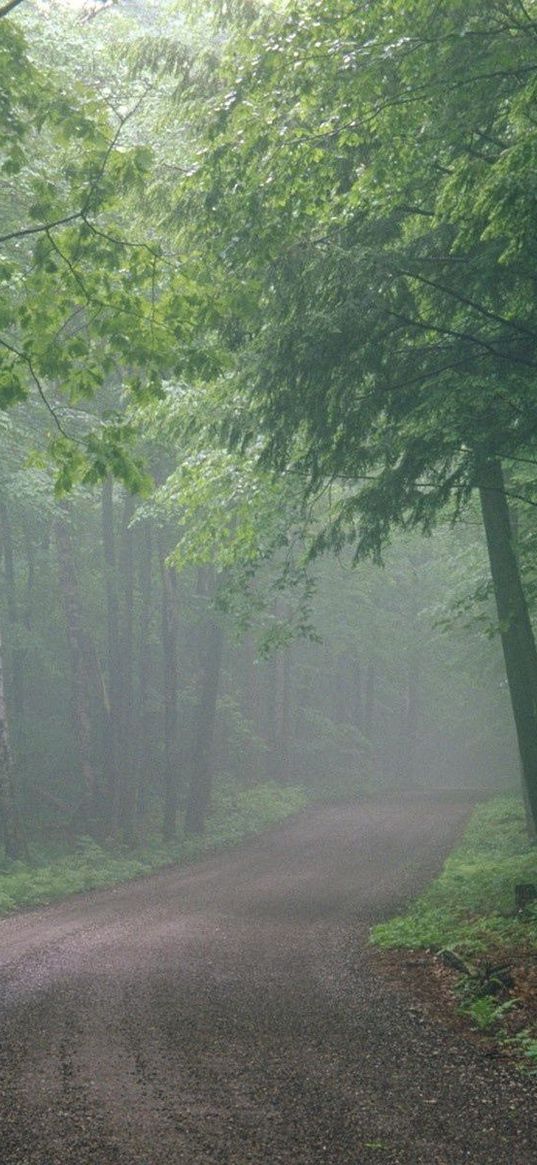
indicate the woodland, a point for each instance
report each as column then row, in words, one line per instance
column 268, row 344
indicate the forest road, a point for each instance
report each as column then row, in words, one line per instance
column 230, row 1012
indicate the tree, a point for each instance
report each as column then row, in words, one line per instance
column 368, row 178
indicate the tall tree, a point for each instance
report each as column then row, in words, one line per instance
column 80, row 665
column 381, row 219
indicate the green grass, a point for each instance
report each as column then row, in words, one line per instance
column 470, row 906
column 237, row 814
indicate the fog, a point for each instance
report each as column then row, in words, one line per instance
column 136, row 691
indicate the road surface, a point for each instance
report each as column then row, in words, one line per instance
column 231, row 1013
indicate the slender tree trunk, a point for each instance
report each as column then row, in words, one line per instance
column 409, row 728
column 144, row 557
column 199, row 793
column 113, row 662
column 357, row 713
column 285, row 715
column 271, row 718
column 370, row 698
column 253, row 700
column 80, row 669
column 169, row 652
column 30, row 579
column 14, row 842
column 518, row 640
column 16, row 653
column 128, row 740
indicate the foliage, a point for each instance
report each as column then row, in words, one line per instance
column 363, row 177
column 485, row 1012
column 526, row 1042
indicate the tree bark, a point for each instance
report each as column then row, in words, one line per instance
column 14, row 842
column 199, row 793
column 128, row 742
column 113, row 663
column 80, row 669
column 518, row 640
column 169, row 652
column 357, row 711
column 370, row 701
column 145, row 561
column 285, row 716
column 409, row 727
column 16, row 653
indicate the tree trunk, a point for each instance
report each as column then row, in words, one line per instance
column 516, row 631
column 271, row 718
column 128, row 742
column 144, row 559
column 285, row 715
column 357, row 711
column 169, row 652
column 16, row 653
column 14, row 842
column 409, row 728
column 199, row 793
column 370, row 700
column 113, row 663
column 80, row 669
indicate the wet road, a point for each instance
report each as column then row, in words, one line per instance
column 231, row 1012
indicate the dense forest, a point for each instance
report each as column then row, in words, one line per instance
column 268, row 582
column 267, row 371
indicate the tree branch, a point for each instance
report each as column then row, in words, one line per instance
column 50, row 408
column 7, row 7
column 42, row 228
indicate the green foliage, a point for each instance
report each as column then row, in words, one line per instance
column 470, row 906
column 368, row 177
column 485, row 1012
column 526, row 1042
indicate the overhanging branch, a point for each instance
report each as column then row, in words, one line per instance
column 5, row 8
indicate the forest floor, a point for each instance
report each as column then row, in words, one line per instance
column 235, row 1012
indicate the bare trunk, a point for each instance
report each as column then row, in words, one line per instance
column 113, row 664
column 80, row 670
column 370, row 700
column 16, row 653
column 128, row 744
column 14, row 843
column 144, row 558
column 284, row 744
column 409, row 728
column 517, row 635
column 271, row 719
column 199, row 793
column 169, row 652
column 356, row 696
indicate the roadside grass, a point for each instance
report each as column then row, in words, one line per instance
column 237, row 813
column 468, row 915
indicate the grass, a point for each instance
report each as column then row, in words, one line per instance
column 470, row 906
column 469, row 910
column 237, row 814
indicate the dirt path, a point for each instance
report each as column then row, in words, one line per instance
column 231, row 1013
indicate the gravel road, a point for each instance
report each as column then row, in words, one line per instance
column 231, row 1012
